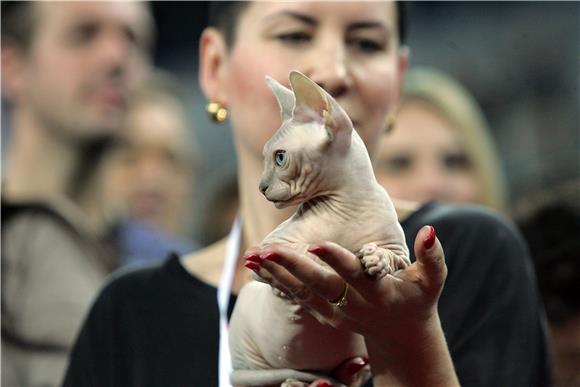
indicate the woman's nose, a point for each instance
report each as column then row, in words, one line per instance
column 430, row 183
column 329, row 68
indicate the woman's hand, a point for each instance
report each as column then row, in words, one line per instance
column 398, row 301
column 396, row 314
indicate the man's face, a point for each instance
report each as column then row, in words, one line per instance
column 84, row 61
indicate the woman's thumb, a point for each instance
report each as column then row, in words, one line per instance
column 430, row 257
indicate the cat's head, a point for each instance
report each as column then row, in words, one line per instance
column 300, row 160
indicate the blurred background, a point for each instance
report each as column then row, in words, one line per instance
column 521, row 60
column 170, row 183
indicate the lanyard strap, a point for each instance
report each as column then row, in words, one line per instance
column 223, row 297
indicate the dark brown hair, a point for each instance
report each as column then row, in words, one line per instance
column 18, row 22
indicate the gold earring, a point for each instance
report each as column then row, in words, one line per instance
column 390, row 123
column 217, row 112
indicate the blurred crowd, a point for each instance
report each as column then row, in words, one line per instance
column 104, row 166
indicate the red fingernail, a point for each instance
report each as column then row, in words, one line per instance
column 323, row 383
column 353, row 367
column 252, row 265
column 271, row 256
column 430, row 240
column 317, row 250
column 253, row 258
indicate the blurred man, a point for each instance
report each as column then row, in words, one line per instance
column 68, row 69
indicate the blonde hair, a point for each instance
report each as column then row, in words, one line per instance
column 456, row 104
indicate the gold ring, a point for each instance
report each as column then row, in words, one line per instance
column 341, row 300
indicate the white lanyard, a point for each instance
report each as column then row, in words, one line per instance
column 223, row 297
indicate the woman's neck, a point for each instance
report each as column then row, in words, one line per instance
column 259, row 216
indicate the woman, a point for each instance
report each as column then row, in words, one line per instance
column 151, row 173
column 458, row 163
column 160, row 326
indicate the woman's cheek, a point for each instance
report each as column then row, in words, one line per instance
column 383, row 80
column 252, row 105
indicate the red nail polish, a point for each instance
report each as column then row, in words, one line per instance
column 323, row 383
column 429, row 241
column 353, row 368
column 252, row 265
column 316, row 250
column 271, row 256
column 253, row 258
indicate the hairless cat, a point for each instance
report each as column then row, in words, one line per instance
column 317, row 160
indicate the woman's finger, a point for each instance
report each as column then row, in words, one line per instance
column 348, row 266
column 321, row 280
column 281, row 278
column 306, row 290
column 430, row 259
column 352, row 371
column 298, row 292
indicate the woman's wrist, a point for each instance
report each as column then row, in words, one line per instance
column 415, row 356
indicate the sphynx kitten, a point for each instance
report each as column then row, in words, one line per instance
column 317, row 160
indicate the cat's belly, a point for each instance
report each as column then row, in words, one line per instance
column 301, row 239
column 379, row 227
column 273, row 333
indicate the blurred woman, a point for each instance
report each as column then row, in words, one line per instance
column 151, row 174
column 440, row 147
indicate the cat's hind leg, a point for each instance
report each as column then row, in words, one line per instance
column 293, row 383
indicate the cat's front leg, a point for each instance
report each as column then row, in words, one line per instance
column 379, row 261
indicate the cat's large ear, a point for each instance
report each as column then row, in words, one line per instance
column 310, row 98
column 284, row 96
column 313, row 99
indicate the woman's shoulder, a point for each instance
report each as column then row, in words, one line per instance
column 136, row 277
column 207, row 263
column 470, row 234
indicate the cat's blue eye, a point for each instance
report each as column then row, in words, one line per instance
column 280, row 157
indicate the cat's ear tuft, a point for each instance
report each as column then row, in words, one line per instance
column 284, row 96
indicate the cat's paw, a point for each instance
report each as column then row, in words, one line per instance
column 375, row 260
column 293, row 383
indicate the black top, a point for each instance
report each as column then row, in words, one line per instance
column 159, row 326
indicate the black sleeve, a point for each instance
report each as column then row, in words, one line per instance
column 489, row 308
